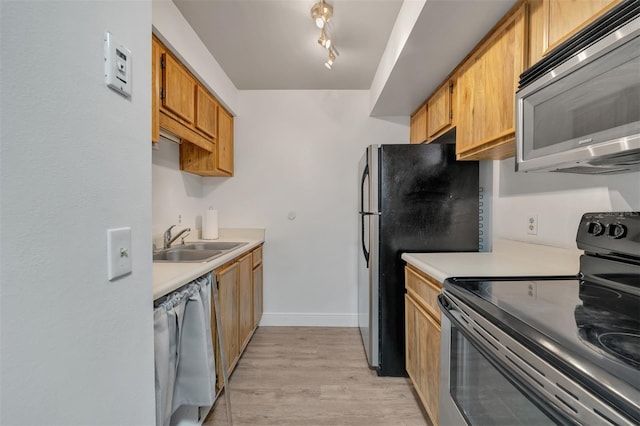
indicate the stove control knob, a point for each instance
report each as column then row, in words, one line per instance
column 595, row 228
column 617, row 230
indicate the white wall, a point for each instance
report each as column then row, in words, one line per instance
column 298, row 151
column 75, row 161
column 177, row 196
column 559, row 200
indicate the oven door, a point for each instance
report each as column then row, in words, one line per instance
column 477, row 390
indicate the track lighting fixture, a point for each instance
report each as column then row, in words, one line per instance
column 321, row 13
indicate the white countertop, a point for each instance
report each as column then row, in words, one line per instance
column 508, row 258
column 168, row 276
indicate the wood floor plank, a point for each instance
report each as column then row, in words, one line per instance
column 314, row 376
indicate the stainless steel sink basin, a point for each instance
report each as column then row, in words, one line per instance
column 214, row 245
column 196, row 252
column 181, row 254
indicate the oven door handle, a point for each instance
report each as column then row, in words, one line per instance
column 450, row 311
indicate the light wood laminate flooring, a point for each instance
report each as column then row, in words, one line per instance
column 313, row 376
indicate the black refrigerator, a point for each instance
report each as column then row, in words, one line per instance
column 413, row 198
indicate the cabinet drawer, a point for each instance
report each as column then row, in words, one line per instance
column 257, row 256
column 424, row 289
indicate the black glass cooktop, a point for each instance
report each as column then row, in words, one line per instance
column 589, row 331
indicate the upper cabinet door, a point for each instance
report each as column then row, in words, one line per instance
column 439, row 112
column 179, row 89
column 206, row 112
column 418, row 126
column 486, row 88
column 565, row 17
column 225, row 141
column 155, row 90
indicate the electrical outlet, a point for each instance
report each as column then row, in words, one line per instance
column 179, row 219
column 532, row 224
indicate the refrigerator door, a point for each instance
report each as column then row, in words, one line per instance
column 367, row 253
column 429, row 203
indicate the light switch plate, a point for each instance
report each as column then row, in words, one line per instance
column 119, row 256
column 117, row 65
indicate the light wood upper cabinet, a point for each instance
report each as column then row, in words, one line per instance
column 418, row 126
column 486, row 87
column 178, row 89
column 439, row 111
column 186, row 108
column 196, row 160
column 206, row 114
column 155, row 90
column 565, row 17
column 551, row 22
column 225, row 142
column 422, row 339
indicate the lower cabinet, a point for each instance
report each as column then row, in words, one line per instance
column 257, row 286
column 227, row 277
column 245, row 300
column 237, row 282
column 422, row 338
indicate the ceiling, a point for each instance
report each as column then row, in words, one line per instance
column 272, row 44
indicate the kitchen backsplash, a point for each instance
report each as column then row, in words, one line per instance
column 558, row 200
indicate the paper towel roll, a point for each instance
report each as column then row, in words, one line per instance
column 210, row 225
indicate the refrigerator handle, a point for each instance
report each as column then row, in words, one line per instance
column 364, row 249
column 362, row 213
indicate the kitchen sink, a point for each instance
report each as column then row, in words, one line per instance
column 181, row 254
column 196, row 252
column 214, row 245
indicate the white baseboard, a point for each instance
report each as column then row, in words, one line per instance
column 296, row 319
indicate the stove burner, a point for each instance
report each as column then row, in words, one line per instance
column 622, row 345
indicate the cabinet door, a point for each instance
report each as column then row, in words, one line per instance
column 439, row 112
column 257, row 295
column 411, row 339
column 179, row 89
column 418, row 126
column 245, row 297
column 565, row 17
column 429, row 361
column 155, row 90
column 206, row 112
column 228, row 295
column 423, row 356
column 486, row 89
column 225, row 141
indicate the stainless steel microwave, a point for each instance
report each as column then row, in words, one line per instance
column 581, row 112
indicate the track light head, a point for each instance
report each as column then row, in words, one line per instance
column 324, row 40
column 330, row 60
column 321, row 13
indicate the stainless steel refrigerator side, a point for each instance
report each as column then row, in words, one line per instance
column 367, row 267
column 374, row 258
column 363, row 255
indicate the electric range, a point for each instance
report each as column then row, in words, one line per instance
column 569, row 346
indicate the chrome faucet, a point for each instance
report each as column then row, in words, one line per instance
column 168, row 239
